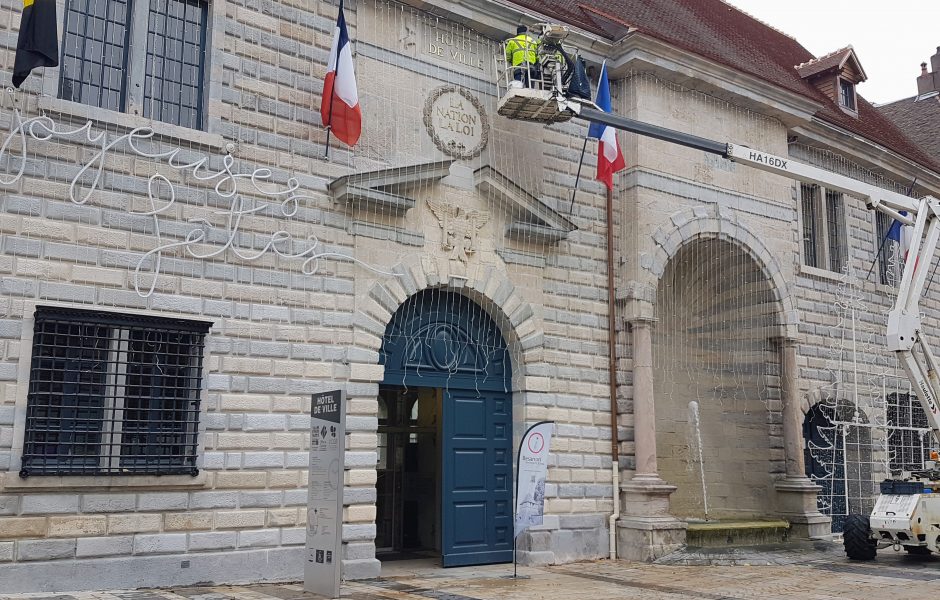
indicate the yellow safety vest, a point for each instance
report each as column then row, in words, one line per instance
column 520, row 49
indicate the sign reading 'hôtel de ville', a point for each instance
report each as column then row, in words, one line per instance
column 455, row 48
column 456, row 122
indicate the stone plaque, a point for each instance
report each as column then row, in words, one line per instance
column 456, row 122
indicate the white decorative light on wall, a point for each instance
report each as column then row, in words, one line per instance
column 228, row 184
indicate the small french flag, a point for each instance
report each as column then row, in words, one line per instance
column 902, row 236
column 609, row 157
column 339, row 107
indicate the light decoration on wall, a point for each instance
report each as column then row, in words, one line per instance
column 228, row 184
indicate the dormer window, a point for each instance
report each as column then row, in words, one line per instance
column 836, row 75
column 847, row 94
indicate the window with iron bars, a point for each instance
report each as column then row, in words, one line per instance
column 909, row 436
column 144, row 57
column 823, row 226
column 113, row 394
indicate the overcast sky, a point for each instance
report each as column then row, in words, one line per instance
column 891, row 38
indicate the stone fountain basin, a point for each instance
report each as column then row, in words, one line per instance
column 724, row 533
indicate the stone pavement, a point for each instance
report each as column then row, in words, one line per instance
column 815, row 572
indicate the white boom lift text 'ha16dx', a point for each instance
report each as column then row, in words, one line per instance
column 908, row 511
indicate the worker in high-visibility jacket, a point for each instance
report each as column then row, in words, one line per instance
column 522, row 53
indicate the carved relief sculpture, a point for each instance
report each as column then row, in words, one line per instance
column 459, row 228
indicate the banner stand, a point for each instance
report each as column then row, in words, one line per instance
column 322, row 570
column 532, row 460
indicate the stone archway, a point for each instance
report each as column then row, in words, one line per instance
column 449, row 460
column 717, row 314
column 517, row 321
column 716, row 221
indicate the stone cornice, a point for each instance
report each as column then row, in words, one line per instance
column 382, row 190
column 538, row 220
column 641, row 52
column 865, row 151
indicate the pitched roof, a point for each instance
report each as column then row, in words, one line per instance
column 724, row 34
column 833, row 60
column 919, row 119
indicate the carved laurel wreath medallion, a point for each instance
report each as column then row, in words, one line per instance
column 453, row 147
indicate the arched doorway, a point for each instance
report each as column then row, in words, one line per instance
column 716, row 369
column 445, row 433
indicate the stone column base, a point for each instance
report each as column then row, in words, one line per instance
column 646, row 530
column 644, row 539
column 796, row 502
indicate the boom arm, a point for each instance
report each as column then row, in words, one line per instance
column 876, row 198
column 905, row 331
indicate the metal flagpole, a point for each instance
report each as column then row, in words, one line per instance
column 578, row 177
column 877, row 254
column 329, row 126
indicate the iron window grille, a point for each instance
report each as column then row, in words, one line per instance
column 835, row 217
column 809, row 199
column 823, row 227
column 143, row 57
column 113, row 394
column 908, row 433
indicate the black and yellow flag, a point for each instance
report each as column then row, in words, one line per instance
column 38, row 44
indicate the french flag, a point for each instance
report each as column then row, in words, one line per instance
column 902, row 235
column 339, row 108
column 609, row 157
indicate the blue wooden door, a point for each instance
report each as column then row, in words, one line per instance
column 445, row 340
column 477, row 478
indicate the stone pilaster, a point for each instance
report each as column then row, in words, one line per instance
column 796, row 494
column 646, row 530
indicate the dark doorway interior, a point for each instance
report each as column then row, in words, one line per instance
column 408, row 502
column 824, row 456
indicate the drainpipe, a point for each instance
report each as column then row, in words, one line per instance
column 612, row 376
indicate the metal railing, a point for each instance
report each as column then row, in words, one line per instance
column 543, row 75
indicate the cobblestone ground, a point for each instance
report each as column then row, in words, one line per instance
column 807, row 572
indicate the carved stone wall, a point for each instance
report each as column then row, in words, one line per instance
column 236, row 225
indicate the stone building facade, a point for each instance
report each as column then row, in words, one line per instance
column 172, row 296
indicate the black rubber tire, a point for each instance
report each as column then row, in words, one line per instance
column 921, row 550
column 856, row 537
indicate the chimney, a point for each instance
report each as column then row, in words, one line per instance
column 925, row 82
column 929, row 81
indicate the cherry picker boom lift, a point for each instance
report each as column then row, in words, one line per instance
column 907, row 513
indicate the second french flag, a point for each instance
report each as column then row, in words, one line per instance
column 339, row 107
column 609, row 157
